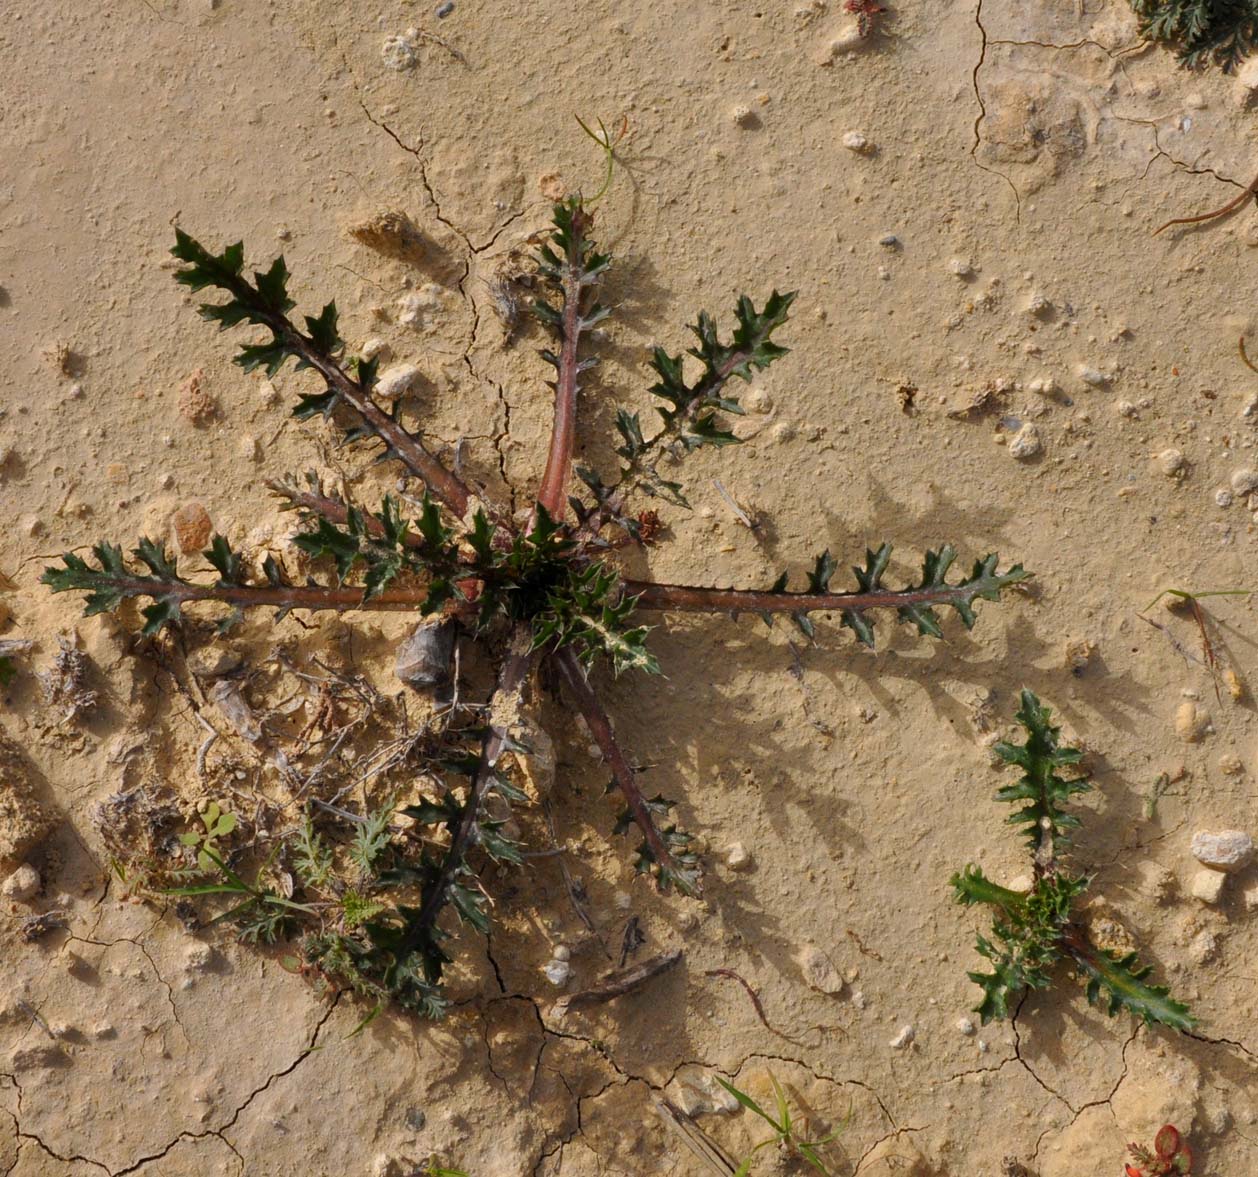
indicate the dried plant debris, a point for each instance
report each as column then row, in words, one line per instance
column 370, row 873
column 67, row 683
column 1034, row 930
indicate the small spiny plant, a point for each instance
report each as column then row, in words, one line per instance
column 1033, row 931
column 1170, row 1156
column 541, row 587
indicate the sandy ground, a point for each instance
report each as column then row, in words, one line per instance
column 1020, row 156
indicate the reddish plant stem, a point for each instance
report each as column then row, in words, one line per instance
column 622, row 772
column 312, row 597
column 410, row 451
column 553, row 493
column 684, row 598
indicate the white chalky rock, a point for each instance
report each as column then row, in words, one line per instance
column 1041, row 307
column 738, row 857
column 1170, row 462
column 1093, row 377
column 396, row 380
column 966, row 1027
column 819, row 971
column 398, row 53
column 961, row 268
column 1026, row 443
column 558, row 972
column 743, row 115
column 1227, row 850
column 1207, row 886
column 855, row 141
column 903, row 1038
column 22, row 884
column 373, row 347
column 1222, row 497
column 1244, row 481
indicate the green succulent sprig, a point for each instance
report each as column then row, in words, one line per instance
column 1033, row 931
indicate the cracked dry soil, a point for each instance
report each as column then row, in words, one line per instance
column 1036, row 145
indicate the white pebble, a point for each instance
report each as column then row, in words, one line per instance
column 738, row 857
column 197, row 957
column 1249, row 897
column 855, row 141
column 983, row 1048
column 743, row 116
column 1093, row 377
column 1222, row 497
column 396, row 380
column 373, row 347
column 1207, row 886
column 562, row 952
column 966, row 1027
column 858, row 999
column 1170, row 462
column 250, row 448
column 903, row 1038
column 1026, row 443
column 1041, row 307
column 558, row 972
column 818, row 970
column 961, row 268
column 1244, row 481
column 1227, row 850
column 22, row 884
column 1043, row 386
column 398, row 54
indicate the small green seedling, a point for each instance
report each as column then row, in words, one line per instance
column 1032, row 931
column 784, row 1128
column 261, row 913
column 218, row 824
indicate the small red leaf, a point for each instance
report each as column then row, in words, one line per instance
column 1132, row 1171
column 1166, row 1142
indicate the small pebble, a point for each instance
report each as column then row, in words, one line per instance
column 855, row 141
column 1041, row 307
column 398, row 54
column 1171, row 462
column 819, row 971
column 903, row 1038
column 444, row 10
column 1026, row 443
column 197, row 957
column 858, row 999
column 1093, row 377
column 1244, row 481
column 250, row 448
column 1192, row 722
column 1222, row 497
column 192, row 528
column 743, row 116
column 966, row 1027
column 374, row 347
column 562, row 952
column 889, row 241
column 1207, row 886
column 983, row 1048
column 738, row 857
column 396, row 380
column 22, row 884
column 1249, row 897
column 961, row 268
column 31, row 525
column 1230, row 764
column 1227, row 850
column 558, row 972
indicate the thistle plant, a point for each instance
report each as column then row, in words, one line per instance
column 1033, row 932
column 542, row 588
column 1202, row 31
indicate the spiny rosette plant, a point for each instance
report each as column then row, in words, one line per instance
column 543, row 587
column 1033, row 932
